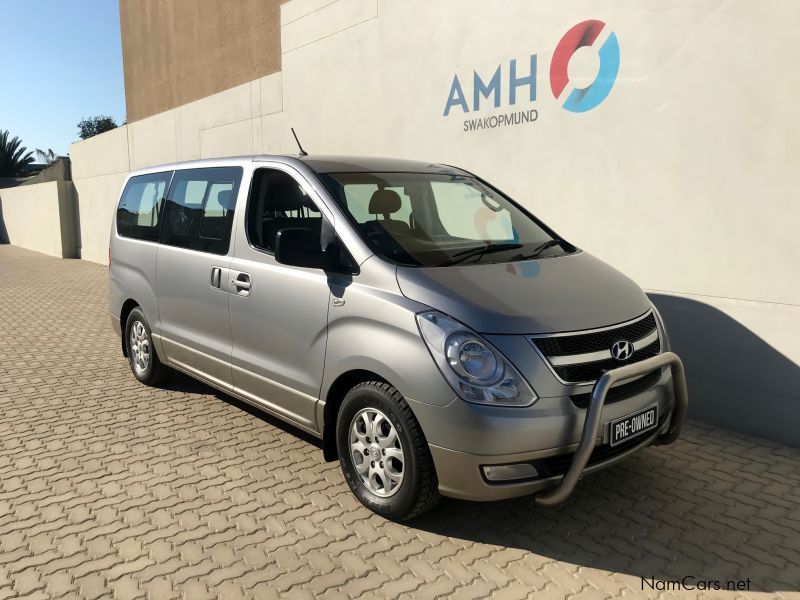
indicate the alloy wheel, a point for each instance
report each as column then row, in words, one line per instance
column 140, row 347
column 376, row 452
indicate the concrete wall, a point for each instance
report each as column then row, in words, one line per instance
column 99, row 167
column 41, row 217
column 178, row 51
column 683, row 177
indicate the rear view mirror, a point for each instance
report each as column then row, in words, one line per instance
column 299, row 247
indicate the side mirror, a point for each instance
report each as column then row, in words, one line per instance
column 299, row 247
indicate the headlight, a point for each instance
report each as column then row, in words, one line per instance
column 473, row 368
column 471, row 358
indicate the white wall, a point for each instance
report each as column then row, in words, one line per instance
column 684, row 177
column 32, row 215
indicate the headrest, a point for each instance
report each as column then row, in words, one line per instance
column 224, row 199
column 384, row 202
column 287, row 196
column 181, row 220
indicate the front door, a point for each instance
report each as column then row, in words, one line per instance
column 279, row 314
column 193, row 271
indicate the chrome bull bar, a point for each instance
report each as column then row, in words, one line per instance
column 594, row 413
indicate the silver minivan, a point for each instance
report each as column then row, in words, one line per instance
column 435, row 335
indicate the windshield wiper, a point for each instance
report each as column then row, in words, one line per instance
column 538, row 250
column 480, row 251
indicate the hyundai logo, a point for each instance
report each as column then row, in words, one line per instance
column 622, row 350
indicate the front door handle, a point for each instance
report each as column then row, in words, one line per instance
column 242, row 284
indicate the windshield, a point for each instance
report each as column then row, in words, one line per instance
column 434, row 220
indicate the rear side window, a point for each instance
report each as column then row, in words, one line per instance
column 140, row 205
column 199, row 209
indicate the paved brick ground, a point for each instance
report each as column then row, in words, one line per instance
column 109, row 488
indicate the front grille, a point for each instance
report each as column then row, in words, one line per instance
column 573, row 364
column 620, row 392
column 592, row 342
column 594, row 370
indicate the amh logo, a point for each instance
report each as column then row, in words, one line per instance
column 577, row 100
column 585, row 34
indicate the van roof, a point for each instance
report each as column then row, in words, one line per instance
column 360, row 164
column 320, row 164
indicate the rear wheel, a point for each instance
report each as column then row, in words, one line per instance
column 384, row 456
column 142, row 356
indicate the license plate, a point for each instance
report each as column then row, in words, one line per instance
column 626, row 428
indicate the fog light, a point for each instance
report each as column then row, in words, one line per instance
column 509, row 472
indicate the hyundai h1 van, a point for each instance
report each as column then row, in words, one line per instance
column 435, row 335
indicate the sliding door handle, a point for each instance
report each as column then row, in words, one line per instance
column 216, row 277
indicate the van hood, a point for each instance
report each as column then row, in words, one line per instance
column 565, row 293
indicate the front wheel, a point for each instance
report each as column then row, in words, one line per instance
column 383, row 453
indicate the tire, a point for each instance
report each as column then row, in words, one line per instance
column 142, row 356
column 380, row 489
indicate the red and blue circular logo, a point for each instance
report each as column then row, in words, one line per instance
column 585, row 34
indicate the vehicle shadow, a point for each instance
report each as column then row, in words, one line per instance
column 736, row 380
column 178, row 382
column 666, row 513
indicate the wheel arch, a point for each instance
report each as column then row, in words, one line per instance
column 333, row 401
column 127, row 307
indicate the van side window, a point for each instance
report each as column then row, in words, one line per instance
column 140, row 205
column 277, row 201
column 199, row 210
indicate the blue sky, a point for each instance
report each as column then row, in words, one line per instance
column 61, row 61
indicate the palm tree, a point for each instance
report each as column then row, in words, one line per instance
column 13, row 158
column 48, row 157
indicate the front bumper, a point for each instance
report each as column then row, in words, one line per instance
column 569, row 446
